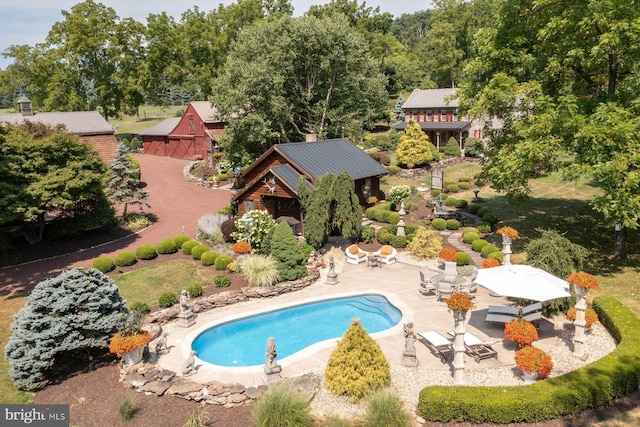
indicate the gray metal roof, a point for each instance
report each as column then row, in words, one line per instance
column 436, row 126
column 290, row 177
column 206, row 111
column 331, row 156
column 76, row 122
column 163, row 128
column 430, row 98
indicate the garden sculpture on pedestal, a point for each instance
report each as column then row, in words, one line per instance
column 188, row 367
column 409, row 353
column 332, row 276
column 459, row 303
column 582, row 282
column 186, row 317
column 271, row 367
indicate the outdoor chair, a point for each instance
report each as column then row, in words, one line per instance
column 504, row 314
column 427, row 287
column 477, row 348
column 469, row 288
column 450, row 272
column 439, row 345
column 445, row 290
column 386, row 254
column 355, row 255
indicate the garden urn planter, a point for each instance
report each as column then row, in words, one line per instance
column 132, row 357
column 529, row 377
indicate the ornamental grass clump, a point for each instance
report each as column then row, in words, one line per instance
column 260, row 270
column 532, row 359
column 386, row 409
column 459, row 302
column 521, row 331
column 357, row 367
column 281, row 406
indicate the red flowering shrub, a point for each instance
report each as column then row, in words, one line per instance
column 448, row 254
column 241, row 247
column 533, row 359
column 490, row 262
column 584, row 281
column 521, row 331
column 459, row 301
column 590, row 316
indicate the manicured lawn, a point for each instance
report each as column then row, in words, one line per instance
column 150, row 115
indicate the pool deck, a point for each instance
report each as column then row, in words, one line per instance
column 398, row 282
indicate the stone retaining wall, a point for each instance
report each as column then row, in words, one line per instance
column 186, row 172
column 223, row 299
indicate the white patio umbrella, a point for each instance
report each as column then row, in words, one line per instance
column 523, row 281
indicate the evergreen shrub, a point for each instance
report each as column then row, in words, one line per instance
column 398, row 241
column 233, row 267
column 435, row 193
column 284, row 248
column 464, row 185
column 197, row 251
column 464, row 179
column 452, row 224
column 393, row 170
column 425, row 244
column 104, row 263
column 125, row 258
column 222, row 281
column 497, row 255
column 140, row 307
column 450, row 201
column 166, row 246
column 367, row 234
column 167, row 299
column 195, row 290
column 180, row 239
column 463, row 258
column 209, row 257
column 483, row 210
column 478, row 244
column 485, row 251
column 453, row 188
column 483, row 227
column 393, row 218
column 469, row 237
column 146, row 252
column 490, row 218
column 439, row 224
column 188, row 245
column 470, row 230
column 473, row 208
column 222, row 262
column 462, row 204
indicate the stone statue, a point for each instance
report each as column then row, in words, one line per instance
column 189, row 365
column 332, row 265
column 161, row 343
column 184, row 301
column 409, row 338
column 271, row 366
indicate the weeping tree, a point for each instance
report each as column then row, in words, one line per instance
column 331, row 208
column 66, row 320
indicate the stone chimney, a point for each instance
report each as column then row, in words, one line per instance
column 311, row 137
column 24, row 106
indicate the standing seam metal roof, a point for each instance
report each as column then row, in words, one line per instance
column 332, row 156
column 430, row 98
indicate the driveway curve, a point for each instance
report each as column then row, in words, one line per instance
column 175, row 203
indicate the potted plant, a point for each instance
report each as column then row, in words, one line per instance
column 534, row 361
column 583, row 281
column 590, row 316
column 129, row 343
column 459, row 302
column 448, row 255
column 508, row 234
column 521, row 331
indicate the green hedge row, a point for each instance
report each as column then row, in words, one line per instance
column 387, row 235
column 596, row 384
column 382, row 213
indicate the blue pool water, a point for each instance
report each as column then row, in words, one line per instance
column 242, row 342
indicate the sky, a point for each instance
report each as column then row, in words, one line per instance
column 29, row 21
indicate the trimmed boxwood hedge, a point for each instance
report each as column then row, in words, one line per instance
column 387, row 235
column 469, row 237
column 166, row 246
column 197, row 251
column 209, row 257
column 146, row 252
column 439, row 224
column 478, row 244
column 463, row 258
column 188, row 245
column 104, row 263
column 453, row 224
column 125, row 258
column 596, row 384
column 222, row 262
column 180, row 239
column 485, row 251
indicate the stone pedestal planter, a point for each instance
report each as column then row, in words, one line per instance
column 132, row 357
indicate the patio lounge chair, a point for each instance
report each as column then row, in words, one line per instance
column 427, row 287
column 439, row 345
column 355, row 255
column 445, row 290
column 504, row 314
column 386, row 254
column 477, row 348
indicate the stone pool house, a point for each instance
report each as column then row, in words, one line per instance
column 89, row 126
column 271, row 181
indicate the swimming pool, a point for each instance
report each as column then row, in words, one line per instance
column 242, row 342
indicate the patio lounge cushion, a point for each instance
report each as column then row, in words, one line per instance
column 385, row 251
column 354, row 250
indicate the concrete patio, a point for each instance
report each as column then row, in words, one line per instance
column 398, row 282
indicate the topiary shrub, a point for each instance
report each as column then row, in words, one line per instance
column 439, row 224
column 209, row 257
column 64, row 322
column 180, row 239
column 469, row 230
column 260, row 270
column 188, row 245
column 357, row 366
column 140, row 307
column 393, row 218
column 452, row 224
column 485, row 251
column 483, row 227
column 478, row 244
column 463, row 258
column 284, row 248
column 483, row 210
column 490, row 218
column 166, row 246
column 461, row 204
column 386, row 409
column 222, row 262
column 280, row 406
column 453, row 188
column 496, row 255
column 104, row 263
column 197, row 251
column 125, row 258
column 469, row 237
column 464, row 185
column 146, row 252
column 167, row 299
column 435, row 193
column 450, row 201
column 222, row 281
column 195, row 290
column 425, row 244
column 398, row 241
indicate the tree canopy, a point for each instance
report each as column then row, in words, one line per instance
column 289, row 77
